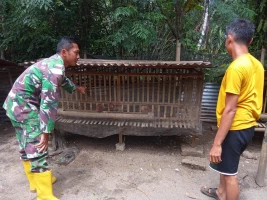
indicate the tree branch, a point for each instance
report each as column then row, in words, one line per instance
column 167, row 21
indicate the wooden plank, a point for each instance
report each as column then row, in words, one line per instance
column 133, row 91
column 128, row 93
column 123, row 89
column 148, row 96
column 118, row 99
column 105, row 88
column 180, row 84
column 153, row 94
column 260, row 176
column 110, row 97
column 143, row 88
column 90, row 91
column 115, row 88
column 95, row 89
column 138, row 88
column 158, row 94
column 100, row 88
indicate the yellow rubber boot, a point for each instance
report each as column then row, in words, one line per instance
column 43, row 183
column 27, row 169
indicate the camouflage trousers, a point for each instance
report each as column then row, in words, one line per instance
column 28, row 135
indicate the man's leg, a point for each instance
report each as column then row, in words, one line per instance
column 23, row 156
column 221, row 191
column 28, row 135
column 42, row 174
column 232, row 189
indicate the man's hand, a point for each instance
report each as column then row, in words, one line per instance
column 43, row 144
column 81, row 89
column 215, row 154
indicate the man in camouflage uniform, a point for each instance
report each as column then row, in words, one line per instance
column 32, row 106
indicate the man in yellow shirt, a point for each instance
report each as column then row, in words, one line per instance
column 238, row 109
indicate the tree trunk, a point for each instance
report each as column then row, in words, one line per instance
column 205, row 24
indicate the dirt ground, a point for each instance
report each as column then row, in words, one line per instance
column 149, row 169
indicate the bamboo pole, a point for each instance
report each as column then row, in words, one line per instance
column 263, row 162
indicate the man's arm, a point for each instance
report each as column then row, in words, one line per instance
column 226, row 122
column 70, row 87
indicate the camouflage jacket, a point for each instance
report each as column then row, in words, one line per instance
column 35, row 94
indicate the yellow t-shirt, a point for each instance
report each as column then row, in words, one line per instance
column 244, row 77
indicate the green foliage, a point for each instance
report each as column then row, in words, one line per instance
column 122, row 12
column 224, row 12
column 39, row 4
column 133, row 29
column 260, row 39
column 127, row 29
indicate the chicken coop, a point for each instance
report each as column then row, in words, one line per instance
column 142, row 98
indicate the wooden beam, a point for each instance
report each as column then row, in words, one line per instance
column 103, row 115
column 263, row 162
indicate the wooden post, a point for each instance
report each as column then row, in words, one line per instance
column 85, row 54
column 120, row 138
column 262, row 56
column 263, row 162
column 178, row 50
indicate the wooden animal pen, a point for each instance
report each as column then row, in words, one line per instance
column 133, row 98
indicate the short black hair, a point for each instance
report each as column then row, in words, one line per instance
column 65, row 43
column 242, row 30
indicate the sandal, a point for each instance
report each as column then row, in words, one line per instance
column 211, row 192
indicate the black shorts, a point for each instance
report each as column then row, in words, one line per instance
column 233, row 146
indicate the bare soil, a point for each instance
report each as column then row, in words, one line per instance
column 149, row 169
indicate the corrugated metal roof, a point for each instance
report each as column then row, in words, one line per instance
column 137, row 63
column 143, row 63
